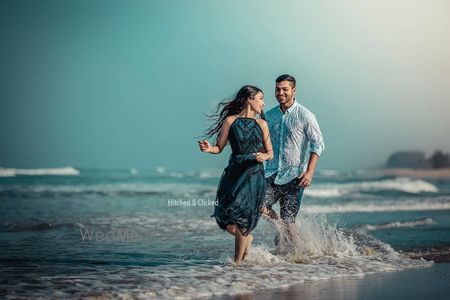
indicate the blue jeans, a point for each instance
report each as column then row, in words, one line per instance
column 289, row 195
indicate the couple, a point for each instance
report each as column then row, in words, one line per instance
column 297, row 144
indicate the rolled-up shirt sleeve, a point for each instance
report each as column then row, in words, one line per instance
column 314, row 135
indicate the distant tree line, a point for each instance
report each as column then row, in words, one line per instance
column 417, row 160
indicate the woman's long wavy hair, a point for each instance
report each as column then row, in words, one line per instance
column 228, row 108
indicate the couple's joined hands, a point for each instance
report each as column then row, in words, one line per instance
column 260, row 157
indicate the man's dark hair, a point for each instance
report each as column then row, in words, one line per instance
column 286, row 77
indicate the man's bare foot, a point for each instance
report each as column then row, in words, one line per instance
column 269, row 213
column 249, row 245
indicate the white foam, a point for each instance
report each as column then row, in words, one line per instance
column 143, row 221
column 401, row 224
column 260, row 256
column 165, row 172
column 172, row 189
column 328, row 172
column 66, row 171
column 7, row 172
column 330, row 192
column 425, row 205
column 204, row 174
column 201, row 282
column 326, row 251
column 160, row 170
column 406, row 185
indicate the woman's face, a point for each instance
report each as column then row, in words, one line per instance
column 257, row 103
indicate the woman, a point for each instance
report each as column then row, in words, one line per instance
column 242, row 186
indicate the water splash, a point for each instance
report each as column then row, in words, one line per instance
column 311, row 237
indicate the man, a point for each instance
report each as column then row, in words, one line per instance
column 297, row 144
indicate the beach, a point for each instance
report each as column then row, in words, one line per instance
column 427, row 283
column 133, row 132
column 148, row 234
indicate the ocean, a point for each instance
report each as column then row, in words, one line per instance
column 74, row 232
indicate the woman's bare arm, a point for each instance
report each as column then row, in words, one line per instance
column 221, row 140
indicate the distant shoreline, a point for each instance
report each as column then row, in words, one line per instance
column 419, row 173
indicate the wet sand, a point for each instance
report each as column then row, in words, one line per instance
column 429, row 283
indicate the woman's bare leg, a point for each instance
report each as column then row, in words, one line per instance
column 231, row 229
column 248, row 246
column 240, row 244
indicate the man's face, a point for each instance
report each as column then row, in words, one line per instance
column 284, row 92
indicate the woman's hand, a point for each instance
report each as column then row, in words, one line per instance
column 204, row 145
column 260, row 157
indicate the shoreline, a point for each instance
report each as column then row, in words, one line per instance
column 418, row 173
column 425, row 283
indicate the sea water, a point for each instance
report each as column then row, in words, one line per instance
column 71, row 232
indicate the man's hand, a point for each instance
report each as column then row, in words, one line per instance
column 305, row 179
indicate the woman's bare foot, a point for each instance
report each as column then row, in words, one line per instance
column 248, row 247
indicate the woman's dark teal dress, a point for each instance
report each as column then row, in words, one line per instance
column 242, row 187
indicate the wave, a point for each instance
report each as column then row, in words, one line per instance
column 328, row 172
column 405, row 185
column 42, row 226
column 424, row 205
column 439, row 254
column 65, row 171
column 327, row 192
column 164, row 172
column 322, row 251
column 400, row 224
column 207, row 174
column 120, row 189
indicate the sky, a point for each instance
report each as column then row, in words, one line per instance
column 126, row 84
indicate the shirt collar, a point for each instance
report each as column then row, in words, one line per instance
column 289, row 110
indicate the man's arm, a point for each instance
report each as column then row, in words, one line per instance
column 306, row 177
column 317, row 145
